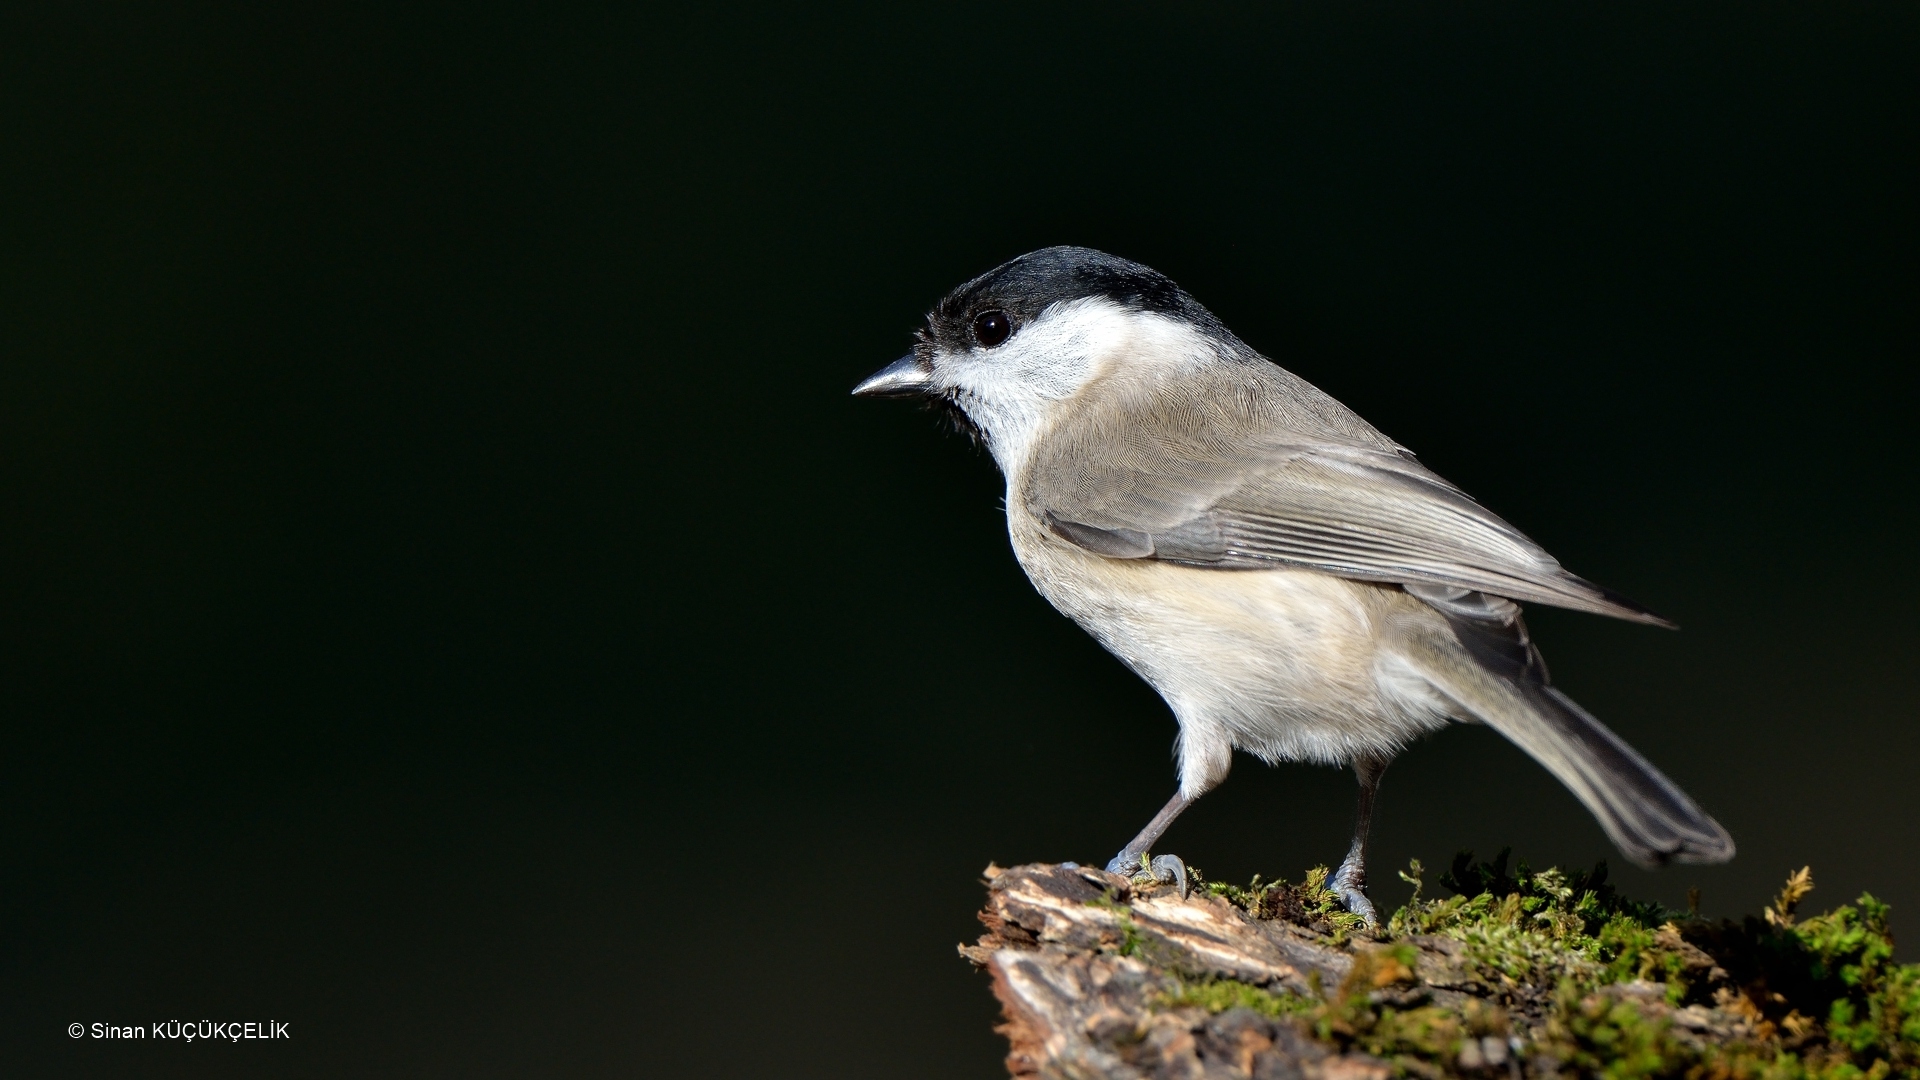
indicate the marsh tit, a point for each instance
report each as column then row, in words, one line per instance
column 1294, row 583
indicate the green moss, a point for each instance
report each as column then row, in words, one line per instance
column 1131, row 943
column 1309, row 903
column 1615, row 1039
column 1587, row 894
column 1819, row 998
column 1877, row 1014
column 1349, row 1015
column 1352, row 1015
column 1219, row 995
column 1548, row 927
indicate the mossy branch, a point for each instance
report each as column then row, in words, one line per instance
column 1518, row 973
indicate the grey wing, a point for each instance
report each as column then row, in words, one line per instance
column 1216, row 488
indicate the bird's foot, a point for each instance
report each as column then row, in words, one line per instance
column 1168, row 869
column 1163, row 869
column 1358, row 903
column 1350, row 886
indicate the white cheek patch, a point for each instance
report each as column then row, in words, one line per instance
column 1007, row 390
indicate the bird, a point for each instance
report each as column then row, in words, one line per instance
column 1293, row 583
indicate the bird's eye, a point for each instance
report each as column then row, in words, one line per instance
column 990, row 328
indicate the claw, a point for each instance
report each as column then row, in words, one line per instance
column 1165, row 869
column 1169, row 869
column 1351, row 888
column 1349, row 883
column 1358, row 903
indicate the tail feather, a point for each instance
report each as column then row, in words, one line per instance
column 1645, row 814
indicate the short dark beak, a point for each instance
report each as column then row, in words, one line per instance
column 905, row 377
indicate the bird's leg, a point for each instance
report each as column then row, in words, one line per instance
column 1164, row 868
column 1349, row 882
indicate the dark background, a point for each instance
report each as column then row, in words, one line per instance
column 450, row 603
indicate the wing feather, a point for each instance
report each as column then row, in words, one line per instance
column 1224, row 477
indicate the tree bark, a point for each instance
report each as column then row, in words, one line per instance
column 1097, row 977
